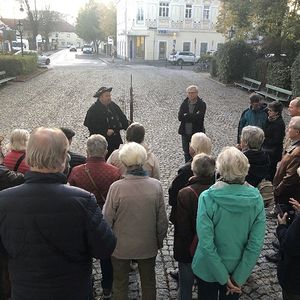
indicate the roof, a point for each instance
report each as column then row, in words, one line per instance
column 60, row 26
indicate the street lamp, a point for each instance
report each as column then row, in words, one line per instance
column 231, row 33
column 20, row 29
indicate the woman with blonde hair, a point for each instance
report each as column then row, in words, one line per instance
column 14, row 160
column 231, row 227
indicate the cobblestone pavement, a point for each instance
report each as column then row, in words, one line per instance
column 61, row 97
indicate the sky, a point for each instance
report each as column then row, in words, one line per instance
column 11, row 8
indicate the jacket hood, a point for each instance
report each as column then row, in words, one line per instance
column 235, row 198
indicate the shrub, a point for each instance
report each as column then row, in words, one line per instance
column 18, row 65
column 213, row 69
column 279, row 74
column 234, row 60
column 295, row 76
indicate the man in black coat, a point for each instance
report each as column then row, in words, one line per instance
column 75, row 159
column 191, row 115
column 51, row 231
column 105, row 117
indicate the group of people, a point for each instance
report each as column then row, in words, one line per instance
column 272, row 155
column 64, row 209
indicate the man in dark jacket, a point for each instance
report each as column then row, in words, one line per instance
column 288, row 270
column 75, row 158
column 50, row 231
column 191, row 115
column 105, row 117
column 255, row 115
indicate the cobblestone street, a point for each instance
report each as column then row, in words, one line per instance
column 61, row 97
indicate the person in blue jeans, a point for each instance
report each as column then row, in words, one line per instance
column 203, row 167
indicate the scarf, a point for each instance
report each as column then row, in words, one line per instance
column 137, row 171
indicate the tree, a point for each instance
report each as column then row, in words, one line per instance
column 96, row 21
column 48, row 20
column 276, row 21
column 88, row 23
column 34, row 23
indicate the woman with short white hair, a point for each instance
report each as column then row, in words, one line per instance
column 14, row 160
column 252, row 138
column 135, row 210
column 230, row 227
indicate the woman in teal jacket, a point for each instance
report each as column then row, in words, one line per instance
column 230, row 228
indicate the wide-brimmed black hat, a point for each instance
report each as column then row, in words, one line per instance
column 102, row 90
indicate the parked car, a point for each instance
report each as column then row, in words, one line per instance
column 87, row 49
column 73, row 49
column 41, row 58
column 181, row 57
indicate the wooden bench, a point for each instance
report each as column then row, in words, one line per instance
column 249, row 84
column 4, row 79
column 276, row 93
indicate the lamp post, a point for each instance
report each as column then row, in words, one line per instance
column 20, row 29
column 231, row 33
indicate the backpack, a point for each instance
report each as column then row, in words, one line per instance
column 266, row 190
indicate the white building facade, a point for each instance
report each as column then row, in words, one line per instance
column 152, row 29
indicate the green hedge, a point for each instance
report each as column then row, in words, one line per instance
column 213, row 68
column 295, row 76
column 18, row 65
column 279, row 74
column 234, row 60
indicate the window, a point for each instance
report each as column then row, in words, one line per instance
column 206, row 12
column 188, row 11
column 203, row 48
column 163, row 9
column 186, row 46
column 140, row 14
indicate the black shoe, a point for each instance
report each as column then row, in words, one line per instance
column 274, row 258
column 174, row 275
column 275, row 244
column 107, row 294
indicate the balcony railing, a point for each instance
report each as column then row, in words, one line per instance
column 186, row 24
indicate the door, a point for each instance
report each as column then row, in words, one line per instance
column 162, row 54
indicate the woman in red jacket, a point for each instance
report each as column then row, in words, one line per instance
column 14, row 160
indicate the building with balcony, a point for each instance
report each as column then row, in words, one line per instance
column 152, row 29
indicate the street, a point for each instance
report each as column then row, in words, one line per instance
column 62, row 95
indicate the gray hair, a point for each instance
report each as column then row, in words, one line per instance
column 96, row 145
column 232, row 165
column 297, row 101
column 47, row 148
column 18, row 140
column 192, row 87
column 132, row 154
column 203, row 165
column 201, row 143
column 296, row 122
column 253, row 137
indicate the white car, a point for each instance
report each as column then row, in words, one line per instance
column 41, row 58
column 181, row 57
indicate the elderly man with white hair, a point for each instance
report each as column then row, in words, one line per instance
column 231, row 228
column 191, row 116
column 96, row 176
column 50, row 231
column 135, row 210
